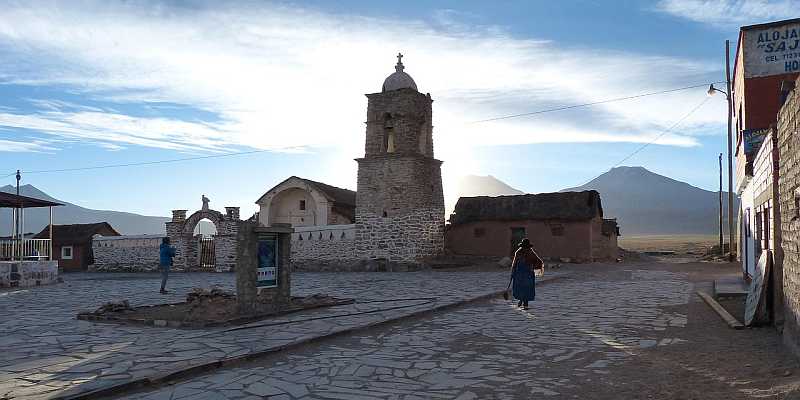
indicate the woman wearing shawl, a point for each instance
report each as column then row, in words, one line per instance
column 522, row 276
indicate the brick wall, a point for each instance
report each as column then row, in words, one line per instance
column 789, row 196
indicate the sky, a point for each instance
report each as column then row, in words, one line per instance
column 94, row 83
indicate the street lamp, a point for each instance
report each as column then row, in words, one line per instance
column 712, row 90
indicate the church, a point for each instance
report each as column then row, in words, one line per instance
column 396, row 218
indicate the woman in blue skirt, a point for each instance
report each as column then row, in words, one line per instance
column 522, row 277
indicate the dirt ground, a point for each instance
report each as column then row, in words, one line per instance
column 680, row 244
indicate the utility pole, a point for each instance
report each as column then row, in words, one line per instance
column 721, row 247
column 16, row 221
column 730, row 148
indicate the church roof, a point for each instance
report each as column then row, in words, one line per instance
column 339, row 196
column 77, row 233
column 565, row 206
column 344, row 200
column 399, row 79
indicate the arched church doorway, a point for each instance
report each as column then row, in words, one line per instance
column 204, row 234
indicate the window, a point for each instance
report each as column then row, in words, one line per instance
column 557, row 230
column 479, row 232
column 302, row 205
column 66, row 253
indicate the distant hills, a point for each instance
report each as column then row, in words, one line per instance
column 646, row 203
column 36, row 219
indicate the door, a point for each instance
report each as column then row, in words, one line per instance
column 517, row 234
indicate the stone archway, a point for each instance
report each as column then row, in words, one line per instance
column 181, row 233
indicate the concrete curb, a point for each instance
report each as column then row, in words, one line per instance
column 194, row 370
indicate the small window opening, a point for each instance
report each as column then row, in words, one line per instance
column 385, row 214
column 479, row 232
column 557, row 230
column 302, row 205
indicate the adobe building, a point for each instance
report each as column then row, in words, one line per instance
column 399, row 198
column 72, row 244
column 767, row 59
column 566, row 226
column 303, row 202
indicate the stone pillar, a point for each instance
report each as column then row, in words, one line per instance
column 232, row 213
column 252, row 299
column 178, row 215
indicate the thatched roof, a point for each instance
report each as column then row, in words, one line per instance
column 564, row 206
column 77, row 233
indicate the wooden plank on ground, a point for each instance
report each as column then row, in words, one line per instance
column 723, row 313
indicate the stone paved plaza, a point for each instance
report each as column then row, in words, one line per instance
column 574, row 333
column 624, row 331
column 46, row 351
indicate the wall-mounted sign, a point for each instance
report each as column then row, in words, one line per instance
column 267, row 271
column 772, row 51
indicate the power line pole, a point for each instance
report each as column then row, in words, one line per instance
column 730, row 148
column 721, row 246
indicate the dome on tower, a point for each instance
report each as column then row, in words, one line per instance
column 399, row 79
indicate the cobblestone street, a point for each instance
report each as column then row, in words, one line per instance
column 606, row 335
column 600, row 331
column 45, row 350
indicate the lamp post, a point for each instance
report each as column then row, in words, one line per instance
column 727, row 93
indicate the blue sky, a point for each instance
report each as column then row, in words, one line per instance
column 95, row 83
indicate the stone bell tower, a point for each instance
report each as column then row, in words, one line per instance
column 399, row 202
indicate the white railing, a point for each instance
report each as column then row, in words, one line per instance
column 24, row 249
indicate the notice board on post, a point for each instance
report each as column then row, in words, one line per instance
column 268, row 261
column 755, row 311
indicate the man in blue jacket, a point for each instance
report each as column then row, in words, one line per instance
column 165, row 254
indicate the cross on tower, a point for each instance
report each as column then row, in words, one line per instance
column 399, row 58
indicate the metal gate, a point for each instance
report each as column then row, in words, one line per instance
column 205, row 252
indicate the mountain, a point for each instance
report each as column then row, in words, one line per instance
column 36, row 219
column 474, row 185
column 646, row 203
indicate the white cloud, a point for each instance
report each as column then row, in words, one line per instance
column 727, row 13
column 14, row 146
column 281, row 77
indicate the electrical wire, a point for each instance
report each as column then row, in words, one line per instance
column 668, row 130
column 132, row 164
column 591, row 103
column 145, row 162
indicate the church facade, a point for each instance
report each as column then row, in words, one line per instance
column 398, row 215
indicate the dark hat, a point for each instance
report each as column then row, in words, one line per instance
column 525, row 244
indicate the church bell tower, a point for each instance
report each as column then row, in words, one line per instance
column 400, row 201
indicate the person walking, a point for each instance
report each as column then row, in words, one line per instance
column 165, row 254
column 522, row 274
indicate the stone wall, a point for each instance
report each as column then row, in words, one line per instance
column 134, row 253
column 319, row 248
column 407, row 238
column 789, row 205
column 28, row 273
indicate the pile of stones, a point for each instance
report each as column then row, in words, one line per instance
column 112, row 307
column 201, row 294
